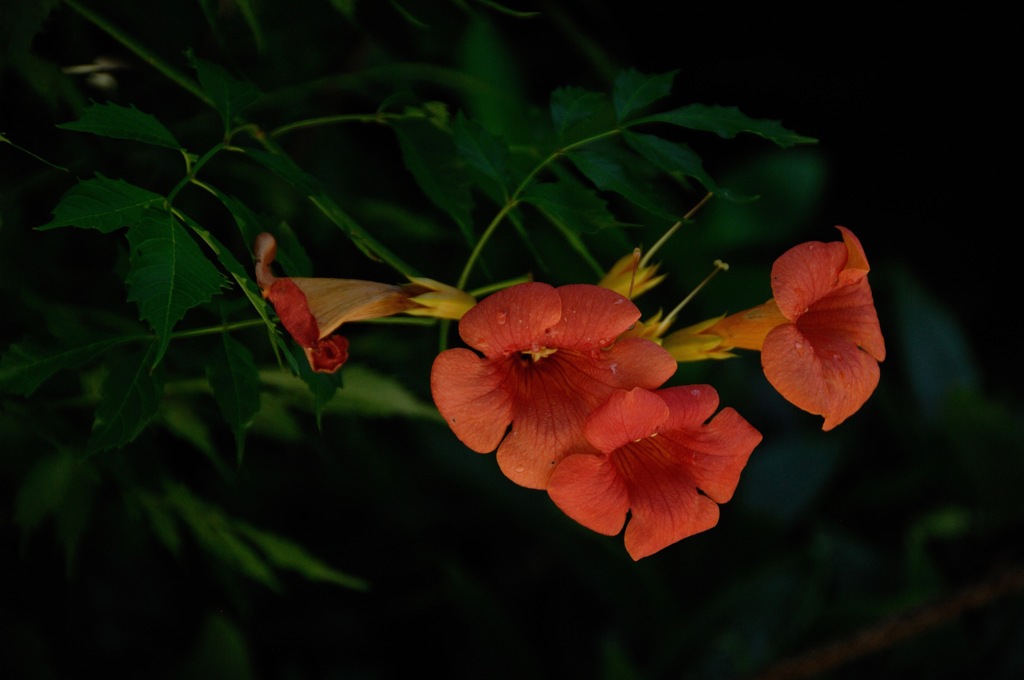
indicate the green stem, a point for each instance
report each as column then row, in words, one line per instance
column 140, row 50
column 331, row 120
column 193, row 170
column 513, row 200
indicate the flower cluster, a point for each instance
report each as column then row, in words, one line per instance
column 568, row 386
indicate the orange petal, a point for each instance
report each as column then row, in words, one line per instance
column 470, row 394
column 819, row 373
column 512, row 320
column 747, row 329
column 589, row 489
column 336, row 301
column 806, row 273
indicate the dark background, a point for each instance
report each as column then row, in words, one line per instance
column 887, row 519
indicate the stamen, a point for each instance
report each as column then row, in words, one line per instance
column 674, row 228
column 632, row 277
column 719, row 266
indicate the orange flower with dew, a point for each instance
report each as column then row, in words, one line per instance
column 312, row 309
column 819, row 336
column 661, row 460
column 550, row 356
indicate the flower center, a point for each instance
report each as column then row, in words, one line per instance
column 537, row 353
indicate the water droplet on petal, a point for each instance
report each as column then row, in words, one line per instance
column 519, row 468
column 501, row 318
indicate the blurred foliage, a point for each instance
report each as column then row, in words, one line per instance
column 183, row 498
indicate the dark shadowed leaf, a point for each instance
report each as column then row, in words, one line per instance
column 169, row 275
column 128, row 399
column 285, row 554
column 611, row 167
column 727, row 122
column 236, row 387
column 673, row 157
column 633, row 91
column 123, row 122
column 430, row 155
column 25, row 365
column 230, row 96
column 572, row 107
column 484, row 152
column 571, row 205
column 102, row 204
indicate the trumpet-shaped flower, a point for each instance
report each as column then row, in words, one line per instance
column 550, row 357
column 659, row 459
column 312, row 309
column 819, row 336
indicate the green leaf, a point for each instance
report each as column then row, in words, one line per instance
column 285, row 554
column 102, row 204
column 430, row 155
column 25, row 366
column 633, row 91
column 216, row 533
column 169, row 275
column 612, row 168
column 128, row 399
column 486, row 153
column 236, row 387
column 571, row 107
column 230, row 96
column 322, row 386
column 727, row 122
column 120, row 122
column 375, row 395
column 571, row 205
column 310, row 187
column 240, row 545
column 234, row 267
column 672, row 157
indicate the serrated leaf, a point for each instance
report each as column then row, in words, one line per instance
column 102, row 204
column 169, row 275
column 120, row 122
column 570, row 205
column 572, row 106
column 25, row 366
column 672, row 157
column 236, row 387
column 128, row 399
column 285, row 554
column 430, row 155
column 230, row 96
column 612, row 168
column 633, row 91
column 485, row 152
column 727, row 122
